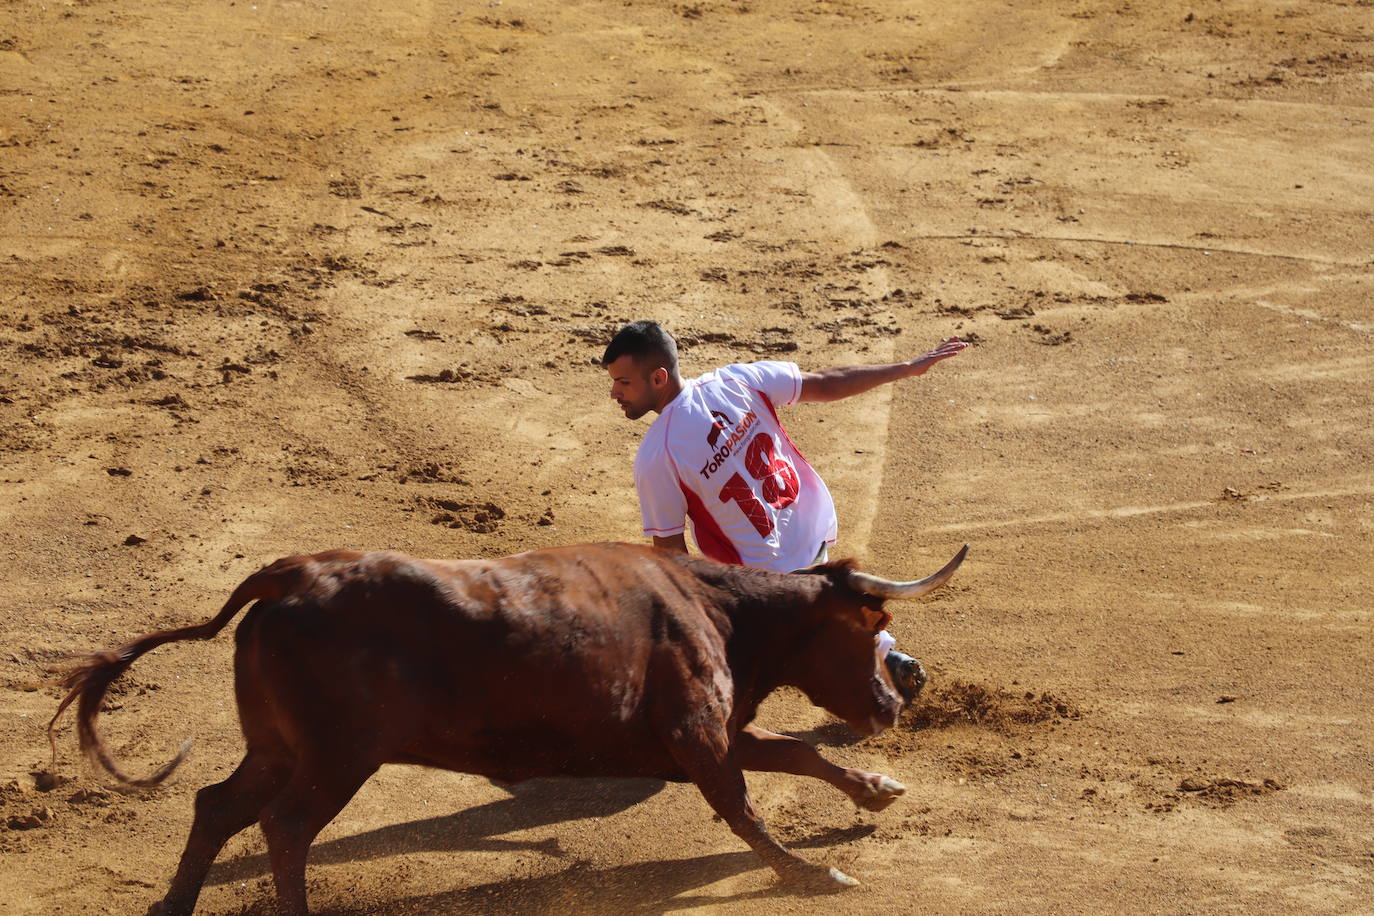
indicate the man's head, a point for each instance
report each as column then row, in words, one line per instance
column 642, row 362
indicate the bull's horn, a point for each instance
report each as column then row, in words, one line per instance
column 885, row 588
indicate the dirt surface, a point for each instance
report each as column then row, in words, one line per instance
column 290, row 276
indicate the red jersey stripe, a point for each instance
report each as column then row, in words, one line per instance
column 710, row 538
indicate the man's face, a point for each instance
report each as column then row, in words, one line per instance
column 632, row 386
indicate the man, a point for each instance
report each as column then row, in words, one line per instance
column 718, row 455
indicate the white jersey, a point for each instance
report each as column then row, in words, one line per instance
column 718, row 455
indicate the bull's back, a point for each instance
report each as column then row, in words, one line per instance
column 537, row 664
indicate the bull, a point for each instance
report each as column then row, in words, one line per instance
column 608, row 660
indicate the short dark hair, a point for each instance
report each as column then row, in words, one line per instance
column 644, row 340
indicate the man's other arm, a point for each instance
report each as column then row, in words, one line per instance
column 847, row 381
column 677, row 542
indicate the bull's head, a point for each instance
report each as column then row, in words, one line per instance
column 842, row 671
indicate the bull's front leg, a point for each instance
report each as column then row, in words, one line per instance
column 757, row 749
column 721, row 781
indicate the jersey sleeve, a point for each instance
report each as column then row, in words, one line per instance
column 780, row 381
column 662, row 505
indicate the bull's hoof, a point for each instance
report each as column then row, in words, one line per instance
column 818, row 879
column 877, row 796
column 839, row 881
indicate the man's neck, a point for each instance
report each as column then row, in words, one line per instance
column 670, row 393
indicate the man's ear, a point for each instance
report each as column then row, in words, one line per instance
column 659, row 377
column 875, row 619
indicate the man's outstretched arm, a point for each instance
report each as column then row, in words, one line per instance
column 847, row 381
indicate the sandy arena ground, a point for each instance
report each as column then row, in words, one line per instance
column 290, row 276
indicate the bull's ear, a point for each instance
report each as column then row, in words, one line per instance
column 875, row 619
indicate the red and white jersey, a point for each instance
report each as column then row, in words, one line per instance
column 718, row 455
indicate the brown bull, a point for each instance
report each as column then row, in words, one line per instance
column 609, row 660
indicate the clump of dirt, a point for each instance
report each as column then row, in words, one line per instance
column 1214, row 792
column 453, row 376
column 431, row 472
column 686, row 341
column 21, row 809
column 1049, row 337
column 669, row 206
column 1225, row 790
column 966, row 703
column 481, row 518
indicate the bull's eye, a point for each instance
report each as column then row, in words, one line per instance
column 877, row 618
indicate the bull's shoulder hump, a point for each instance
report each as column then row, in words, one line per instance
column 604, row 563
column 594, row 548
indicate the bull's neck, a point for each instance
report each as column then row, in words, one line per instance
column 765, row 617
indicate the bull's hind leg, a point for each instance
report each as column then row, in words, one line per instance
column 756, row 749
column 222, row 810
column 317, row 791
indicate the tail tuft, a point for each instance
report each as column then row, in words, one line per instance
column 88, row 681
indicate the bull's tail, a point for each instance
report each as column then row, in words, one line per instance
column 88, row 682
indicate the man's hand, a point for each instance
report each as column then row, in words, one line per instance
column 947, row 348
